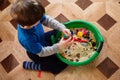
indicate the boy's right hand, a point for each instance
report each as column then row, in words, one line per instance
column 65, row 43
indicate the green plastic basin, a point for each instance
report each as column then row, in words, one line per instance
column 88, row 26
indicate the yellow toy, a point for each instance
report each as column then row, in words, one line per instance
column 79, row 34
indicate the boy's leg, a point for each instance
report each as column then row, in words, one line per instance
column 47, row 37
column 53, row 64
column 50, row 63
column 35, row 65
column 31, row 65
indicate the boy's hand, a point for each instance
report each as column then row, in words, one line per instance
column 65, row 43
column 67, row 32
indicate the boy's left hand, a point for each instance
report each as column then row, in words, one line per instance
column 67, row 32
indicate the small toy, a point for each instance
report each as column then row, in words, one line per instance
column 81, row 32
column 66, row 37
column 80, row 40
column 39, row 74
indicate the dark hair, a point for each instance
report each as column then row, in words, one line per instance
column 27, row 12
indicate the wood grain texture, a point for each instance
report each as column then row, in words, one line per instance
column 65, row 10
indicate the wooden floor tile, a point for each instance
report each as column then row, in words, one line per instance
column 4, row 4
column 14, row 23
column 104, row 14
column 9, row 63
column 106, row 21
column 0, row 40
column 83, row 3
column 107, row 67
column 44, row 2
column 61, row 18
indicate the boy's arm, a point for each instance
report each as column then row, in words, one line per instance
column 36, row 48
column 52, row 23
column 49, row 50
column 41, row 51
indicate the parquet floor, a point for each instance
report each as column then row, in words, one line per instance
column 104, row 14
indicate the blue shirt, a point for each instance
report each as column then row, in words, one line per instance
column 32, row 39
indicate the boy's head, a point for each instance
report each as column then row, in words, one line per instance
column 27, row 12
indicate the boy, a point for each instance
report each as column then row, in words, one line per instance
column 30, row 17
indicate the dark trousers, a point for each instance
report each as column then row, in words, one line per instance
column 49, row 63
